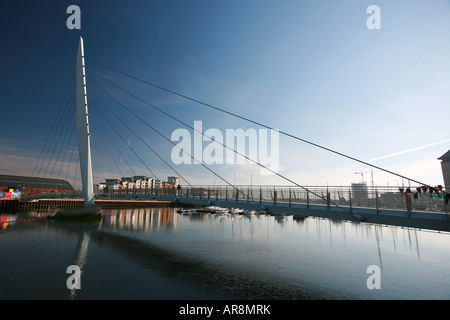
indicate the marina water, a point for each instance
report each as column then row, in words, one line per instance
column 157, row 253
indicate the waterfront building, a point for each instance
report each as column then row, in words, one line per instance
column 113, row 184
column 32, row 185
column 140, row 184
column 128, row 183
column 101, row 187
column 445, row 164
column 143, row 183
column 175, row 181
column 360, row 194
column 140, row 181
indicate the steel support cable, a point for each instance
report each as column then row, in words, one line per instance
column 139, row 118
column 105, row 161
column 68, row 151
column 259, row 124
column 238, row 153
column 157, row 131
column 71, row 127
column 124, row 123
column 64, row 130
column 71, row 155
column 97, row 151
column 126, row 143
column 117, row 150
column 67, row 148
column 54, row 122
column 65, row 116
column 146, row 144
column 75, row 175
column 54, row 145
column 170, row 140
column 57, row 117
column 103, row 116
column 107, row 149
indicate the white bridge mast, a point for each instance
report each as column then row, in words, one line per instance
column 84, row 142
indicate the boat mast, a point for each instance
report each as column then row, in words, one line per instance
column 84, row 145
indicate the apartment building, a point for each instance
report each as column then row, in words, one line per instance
column 445, row 164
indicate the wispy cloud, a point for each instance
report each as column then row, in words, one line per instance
column 407, row 151
column 16, row 161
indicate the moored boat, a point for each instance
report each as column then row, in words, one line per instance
column 186, row 211
column 236, row 211
column 216, row 210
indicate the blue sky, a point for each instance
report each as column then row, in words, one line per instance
column 310, row 68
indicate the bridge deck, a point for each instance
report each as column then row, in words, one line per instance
column 439, row 221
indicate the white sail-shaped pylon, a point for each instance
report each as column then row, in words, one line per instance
column 84, row 142
column 89, row 210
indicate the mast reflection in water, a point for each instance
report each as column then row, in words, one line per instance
column 156, row 253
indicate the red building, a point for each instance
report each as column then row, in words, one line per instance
column 32, row 185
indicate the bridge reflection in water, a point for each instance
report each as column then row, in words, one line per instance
column 156, row 253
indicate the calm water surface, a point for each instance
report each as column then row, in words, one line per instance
column 160, row 254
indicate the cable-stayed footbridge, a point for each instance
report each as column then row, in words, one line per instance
column 112, row 127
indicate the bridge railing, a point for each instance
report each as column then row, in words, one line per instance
column 380, row 197
column 376, row 197
column 52, row 195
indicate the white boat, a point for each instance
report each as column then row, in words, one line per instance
column 236, row 211
column 186, row 211
column 249, row 212
column 216, row 210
